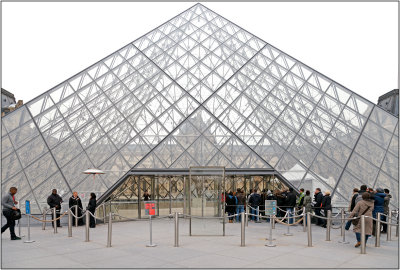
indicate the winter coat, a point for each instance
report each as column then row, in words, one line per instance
column 378, row 204
column 230, row 204
column 92, row 205
column 360, row 207
column 290, row 200
column 307, row 203
column 318, row 199
column 54, row 200
column 326, row 203
column 353, row 201
column 386, row 204
column 241, row 198
column 255, row 200
column 300, row 202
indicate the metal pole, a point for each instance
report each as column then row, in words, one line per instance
column 44, row 218
column 69, row 222
column 87, row 226
column 176, row 229
column 104, row 213
column 378, row 231
column 343, row 229
column 309, row 236
column 389, row 227
column 304, row 220
column 258, row 214
column 109, row 229
column 242, row 227
column 19, row 227
column 270, row 244
column 76, row 215
column 363, row 234
column 151, row 233
column 29, row 230
column 328, row 226
column 273, row 221
column 55, row 221
column 342, row 222
column 247, row 215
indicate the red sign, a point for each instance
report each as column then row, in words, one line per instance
column 150, row 208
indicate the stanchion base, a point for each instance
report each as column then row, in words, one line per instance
column 268, row 239
column 152, row 245
column 288, row 234
column 257, row 222
column 270, row 245
column 345, row 242
column 30, row 241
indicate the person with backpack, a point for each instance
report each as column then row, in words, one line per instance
column 386, row 209
column 307, row 204
column 326, row 205
column 317, row 204
column 290, row 204
column 378, row 206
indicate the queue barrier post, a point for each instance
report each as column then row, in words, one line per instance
column 363, row 243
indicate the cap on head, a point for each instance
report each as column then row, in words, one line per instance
column 380, row 190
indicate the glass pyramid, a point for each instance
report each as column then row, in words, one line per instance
column 198, row 91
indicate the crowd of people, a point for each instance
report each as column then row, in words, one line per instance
column 9, row 205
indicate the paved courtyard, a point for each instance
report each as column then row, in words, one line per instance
column 129, row 240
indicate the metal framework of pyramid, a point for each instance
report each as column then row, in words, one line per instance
column 198, row 91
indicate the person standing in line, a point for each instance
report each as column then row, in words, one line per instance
column 290, row 204
column 280, row 201
column 351, row 206
column 241, row 200
column 307, row 204
column 363, row 207
column 75, row 200
column 379, row 202
column 92, row 208
column 9, row 203
column 230, row 205
column 146, row 196
column 386, row 209
column 326, row 205
column 254, row 202
column 317, row 204
column 54, row 201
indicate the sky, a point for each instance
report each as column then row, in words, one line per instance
column 355, row 44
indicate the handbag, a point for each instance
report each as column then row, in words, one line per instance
column 16, row 214
column 355, row 221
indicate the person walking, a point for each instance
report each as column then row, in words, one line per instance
column 241, row 200
column 379, row 201
column 326, row 205
column 9, row 203
column 363, row 207
column 317, row 205
column 351, row 207
column 75, row 201
column 92, row 208
column 54, row 201
column 307, row 204
column 386, row 209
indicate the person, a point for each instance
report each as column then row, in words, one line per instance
column 146, row 196
column 326, row 205
column 92, row 208
column 386, row 209
column 280, row 201
column 9, row 203
column 317, row 204
column 351, row 206
column 230, row 205
column 379, row 197
column 241, row 200
column 254, row 202
column 76, row 201
column 262, row 202
column 307, row 203
column 363, row 188
column 54, row 201
column 290, row 202
column 300, row 200
column 271, row 196
column 363, row 207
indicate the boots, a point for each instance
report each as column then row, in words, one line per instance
column 358, row 244
column 230, row 221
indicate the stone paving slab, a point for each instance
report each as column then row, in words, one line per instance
column 129, row 240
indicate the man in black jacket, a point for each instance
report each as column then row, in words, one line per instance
column 54, row 201
column 317, row 204
column 254, row 202
column 290, row 204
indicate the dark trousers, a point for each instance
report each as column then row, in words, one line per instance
column 92, row 221
column 384, row 226
column 10, row 223
column 57, row 216
column 318, row 213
